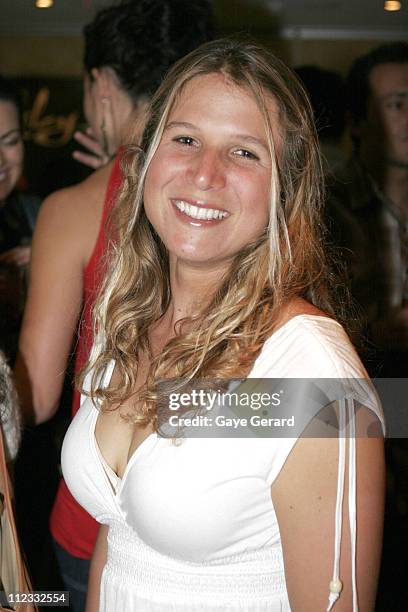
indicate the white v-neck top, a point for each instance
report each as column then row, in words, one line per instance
column 112, row 476
column 192, row 526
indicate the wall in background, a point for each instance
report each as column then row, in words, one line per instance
column 62, row 56
column 50, row 56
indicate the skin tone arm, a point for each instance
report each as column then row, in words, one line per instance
column 64, row 238
column 304, row 497
column 98, row 562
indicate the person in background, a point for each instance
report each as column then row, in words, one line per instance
column 18, row 213
column 128, row 49
column 368, row 203
column 327, row 95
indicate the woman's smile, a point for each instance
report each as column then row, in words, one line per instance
column 197, row 212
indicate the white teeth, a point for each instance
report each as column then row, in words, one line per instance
column 198, row 212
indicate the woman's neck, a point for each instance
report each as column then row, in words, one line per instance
column 192, row 288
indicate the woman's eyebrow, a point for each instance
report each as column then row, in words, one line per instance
column 253, row 140
column 246, row 137
column 7, row 134
column 180, row 124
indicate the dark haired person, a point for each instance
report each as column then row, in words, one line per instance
column 137, row 66
column 18, row 213
column 369, row 202
column 128, row 48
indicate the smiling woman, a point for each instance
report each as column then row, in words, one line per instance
column 206, row 190
column 219, row 272
column 11, row 150
column 18, row 213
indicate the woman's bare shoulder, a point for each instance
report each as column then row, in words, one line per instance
column 295, row 307
column 74, row 211
column 78, row 199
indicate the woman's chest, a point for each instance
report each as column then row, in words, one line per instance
column 199, row 500
column 117, row 431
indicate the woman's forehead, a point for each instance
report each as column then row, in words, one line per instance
column 219, row 91
column 214, row 80
column 9, row 119
column 8, row 110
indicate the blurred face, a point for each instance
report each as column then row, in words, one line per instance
column 11, row 149
column 207, row 190
column 385, row 131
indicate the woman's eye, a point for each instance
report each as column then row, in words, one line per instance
column 12, row 142
column 246, row 154
column 185, row 140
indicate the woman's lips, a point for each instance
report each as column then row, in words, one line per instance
column 197, row 213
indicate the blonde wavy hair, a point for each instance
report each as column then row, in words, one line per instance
column 287, row 260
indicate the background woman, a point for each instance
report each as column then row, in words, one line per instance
column 128, row 48
column 218, row 273
column 18, row 212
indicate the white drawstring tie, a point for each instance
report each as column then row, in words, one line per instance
column 346, row 409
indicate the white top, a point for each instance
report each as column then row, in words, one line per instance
column 192, row 525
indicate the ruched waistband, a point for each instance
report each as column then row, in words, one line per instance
column 251, row 576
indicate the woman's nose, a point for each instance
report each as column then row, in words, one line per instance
column 208, row 170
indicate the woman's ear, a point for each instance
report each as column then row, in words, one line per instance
column 104, row 81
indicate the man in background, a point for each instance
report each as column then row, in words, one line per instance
column 368, row 203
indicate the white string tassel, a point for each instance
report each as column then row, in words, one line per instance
column 335, row 589
column 352, row 497
column 335, row 584
column 333, row 597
